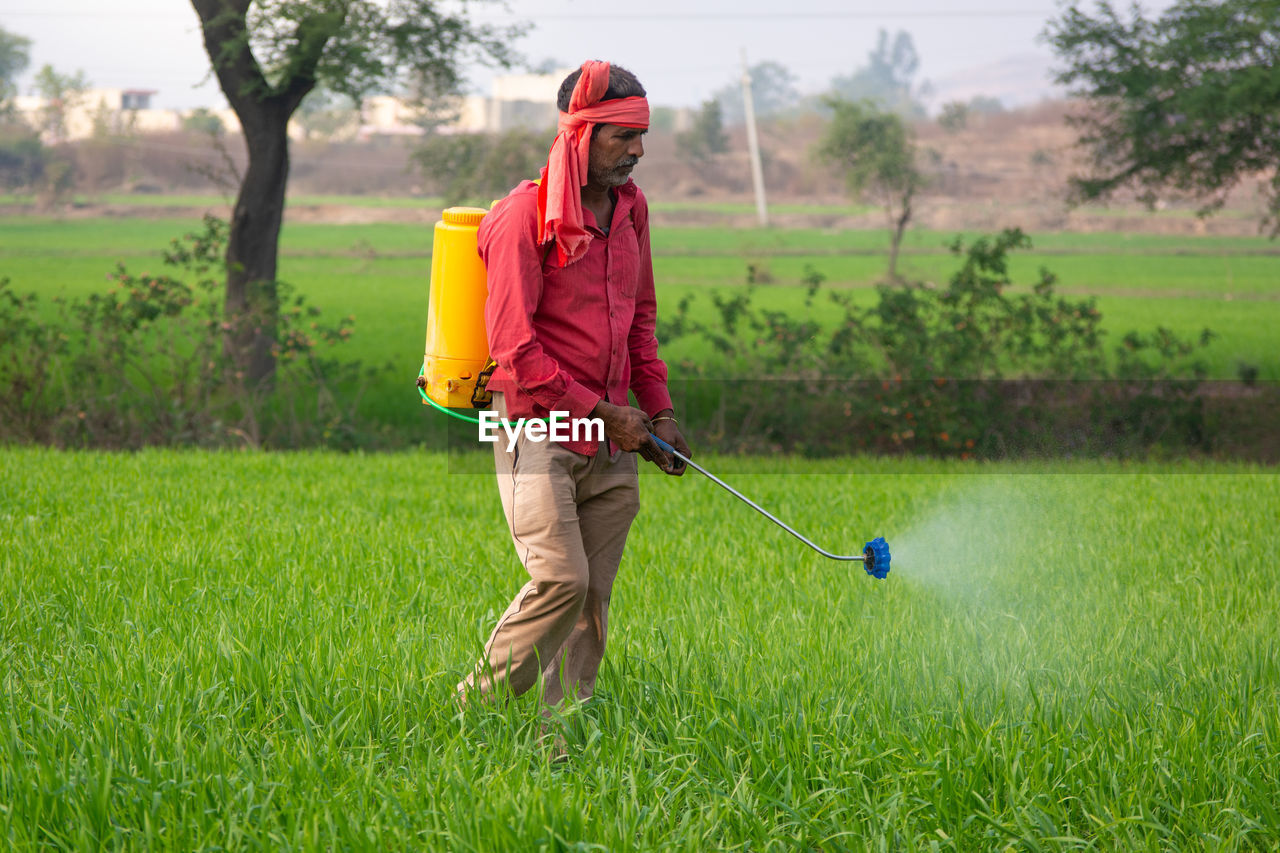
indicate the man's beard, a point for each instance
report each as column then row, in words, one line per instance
column 615, row 175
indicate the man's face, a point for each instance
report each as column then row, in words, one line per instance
column 614, row 153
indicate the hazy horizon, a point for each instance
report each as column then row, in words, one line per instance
column 682, row 52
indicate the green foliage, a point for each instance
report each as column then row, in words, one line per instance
column 872, row 150
column 480, row 167
column 774, row 92
column 22, row 158
column 145, row 363
column 57, row 181
column 954, row 116
column 888, row 77
column 202, row 120
column 877, row 157
column 15, row 55
column 268, row 56
column 965, row 369
column 986, row 105
column 706, row 137
column 323, row 114
column 61, row 93
column 1139, row 280
column 1185, row 103
column 356, row 47
column 662, row 119
column 29, row 166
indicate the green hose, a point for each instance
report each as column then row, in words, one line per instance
column 451, row 413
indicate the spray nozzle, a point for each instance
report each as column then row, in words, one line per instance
column 877, row 557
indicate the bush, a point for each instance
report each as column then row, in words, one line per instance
column 143, row 364
column 22, row 158
column 706, row 138
column 480, row 167
column 967, row 369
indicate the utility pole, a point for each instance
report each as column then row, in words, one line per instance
column 753, row 143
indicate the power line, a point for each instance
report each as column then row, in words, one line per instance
column 797, row 16
column 651, row 16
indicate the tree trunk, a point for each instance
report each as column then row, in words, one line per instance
column 897, row 227
column 253, row 245
column 895, row 240
column 251, row 305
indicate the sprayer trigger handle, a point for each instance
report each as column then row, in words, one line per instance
column 663, row 444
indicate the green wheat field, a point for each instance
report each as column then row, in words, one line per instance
column 257, row 651
column 205, row 651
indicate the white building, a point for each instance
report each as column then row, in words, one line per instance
column 96, row 112
column 516, row 101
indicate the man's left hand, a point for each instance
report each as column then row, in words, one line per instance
column 669, row 431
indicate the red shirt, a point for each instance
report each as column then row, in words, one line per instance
column 564, row 338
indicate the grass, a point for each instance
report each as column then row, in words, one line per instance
column 379, row 272
column 245, row 651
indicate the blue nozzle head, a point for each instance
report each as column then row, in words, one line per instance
column 877, row 554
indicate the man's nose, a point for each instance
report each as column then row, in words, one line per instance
column 636, row 147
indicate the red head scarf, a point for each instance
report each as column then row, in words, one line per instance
column 559, row 198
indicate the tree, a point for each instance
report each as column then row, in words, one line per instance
column 887, row 78
column 877, row 156
column 22, row 158
column 203, row 121
column 479, row 167
column 706, row 136
column 954, row 116
column 323, row 114
column 662, row 119
column 267, row 55
column 15, row 56
column 986, row 105
column 773, row 92
column 1186, row 102
column 61, row 93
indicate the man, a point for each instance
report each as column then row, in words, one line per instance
column 570, row 318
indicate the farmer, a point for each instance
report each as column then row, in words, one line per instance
column 570, row 319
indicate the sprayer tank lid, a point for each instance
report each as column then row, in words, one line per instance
column 464, row 215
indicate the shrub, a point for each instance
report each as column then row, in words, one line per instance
column 967, row 369
column 143, row 363
column 480, row 167
column 22, row 158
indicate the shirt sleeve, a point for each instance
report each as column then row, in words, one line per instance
column 648, row 379
column 513, row 261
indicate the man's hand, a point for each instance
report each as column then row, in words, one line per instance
column 629, row 428
column 666, row 428
column 625, row 426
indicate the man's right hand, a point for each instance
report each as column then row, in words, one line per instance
column 630, row 428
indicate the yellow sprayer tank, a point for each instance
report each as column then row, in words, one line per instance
column 457, row 347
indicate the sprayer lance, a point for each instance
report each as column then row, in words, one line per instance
column 875, row 555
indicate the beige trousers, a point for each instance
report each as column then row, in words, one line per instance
column 568, row 516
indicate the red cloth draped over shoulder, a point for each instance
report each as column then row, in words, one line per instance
column 559, row 195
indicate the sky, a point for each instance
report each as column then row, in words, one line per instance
column 681, row 51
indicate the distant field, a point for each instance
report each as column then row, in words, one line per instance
column 379, row 273
column 250, row 651
column 159, row 202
